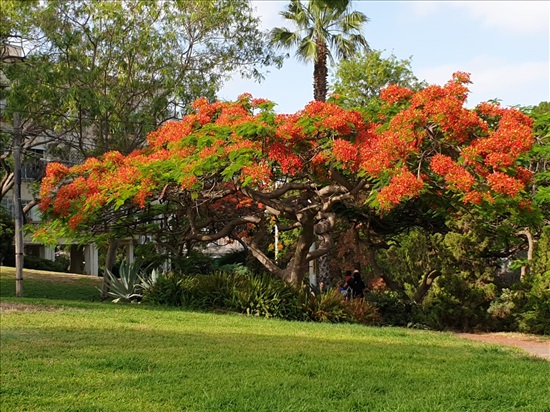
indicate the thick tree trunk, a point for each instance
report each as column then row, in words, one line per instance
column 298, row 266
column 320, row 73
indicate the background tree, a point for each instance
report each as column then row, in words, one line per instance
column 359, row 79
column 538, row 158
column 99, row 76
column 233, row 169
column 321, row 26
column 7, row 232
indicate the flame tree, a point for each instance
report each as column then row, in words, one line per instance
column 232, row 169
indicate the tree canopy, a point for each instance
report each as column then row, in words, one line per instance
column 232, row 169
column 100, row 76
column 359, row 79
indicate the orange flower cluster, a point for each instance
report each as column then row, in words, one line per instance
column 502, row 183
column 346, row 152
column 394, row 94
column 403, row 185
column 259, row 173
column 455, row 175
column 500, row 148
column 289, row 162
column 489, row 139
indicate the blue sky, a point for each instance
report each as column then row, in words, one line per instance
column 505, row 45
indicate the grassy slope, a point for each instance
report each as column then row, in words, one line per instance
column 64, row 355
column 50, row 285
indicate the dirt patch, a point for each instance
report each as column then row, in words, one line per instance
column 538, row 346
column 8, row 307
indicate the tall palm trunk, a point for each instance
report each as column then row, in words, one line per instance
column 320, row 72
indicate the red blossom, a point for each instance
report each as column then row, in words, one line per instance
column 188, row 181
column 404, row 185
column 412, row 126
column 473, row 197
column 454, row 174
column 259, row 173
column 393, row 94
column 345, row 151
column 504, row 184
column 524, row 175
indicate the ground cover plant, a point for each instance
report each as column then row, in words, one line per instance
column 60, row 355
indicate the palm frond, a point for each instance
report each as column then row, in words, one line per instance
column 297, row 14
column 307, row 50
column 352, row 21
column 346, row 46
column 285, row 38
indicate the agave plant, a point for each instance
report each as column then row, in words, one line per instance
column 147, row 281
column 125, row 288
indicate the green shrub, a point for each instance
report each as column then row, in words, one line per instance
column 38, row 263
column 461, row 301
column 266, row 296
column 212, row 291
column 525, row 307
column 330, row 307
column 240, row 291
column 392, row 309
column 236, row 289
column 363, row 312
column 327, row 307
column 503, row 310
column 534, row 315
column 233, row 258
column 7, row 231
column 195, row 263
column 235, row 268
column 167, row 290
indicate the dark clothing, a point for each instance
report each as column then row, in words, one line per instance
column 357, row 286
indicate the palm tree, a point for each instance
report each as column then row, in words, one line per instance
column 321, row 25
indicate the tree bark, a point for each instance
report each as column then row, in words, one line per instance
column 320, row 73
column 298, row 266
column 19, row 237
column 530, row 250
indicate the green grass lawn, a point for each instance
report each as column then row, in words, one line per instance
column 70, row 355
column 50, row 285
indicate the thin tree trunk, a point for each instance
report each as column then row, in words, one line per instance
column 378, row 271
column 299, row 265
column 427, row 282
column 530, row 250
